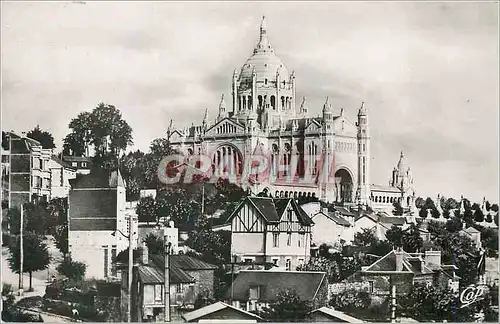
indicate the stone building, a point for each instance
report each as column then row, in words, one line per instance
column 329, row 156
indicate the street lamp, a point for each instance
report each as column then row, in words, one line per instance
column 130, row 266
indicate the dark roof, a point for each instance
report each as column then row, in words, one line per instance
column 98, row 179
column 393, row 220
column 305, row 284
column 344, row 211
column 387, row 263
column 266, row 208
column 62, row 163
column 153, row 272
column 272, row 209
column 338, row 220
column 183, row 262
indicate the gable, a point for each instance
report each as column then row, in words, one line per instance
column 342, row 125
column 247, row 219
column 313, row 126
column 175, row 136
column 225, row 127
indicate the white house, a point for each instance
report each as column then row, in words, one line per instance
column 60, row 174
column 330, row 228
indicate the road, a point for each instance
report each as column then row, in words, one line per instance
column 39, row 277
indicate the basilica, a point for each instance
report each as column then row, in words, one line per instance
column 264, row 117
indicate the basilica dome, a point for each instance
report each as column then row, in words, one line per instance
column 264, row 61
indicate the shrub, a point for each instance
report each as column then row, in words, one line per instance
column 72, row 269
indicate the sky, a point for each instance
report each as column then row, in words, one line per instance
column 427, row 72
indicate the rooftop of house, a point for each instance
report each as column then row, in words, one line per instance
column 305, row 283
column 62, row 163
column 272, row 209
column 180, row 265
column 98, row 178
column 336, row 315
column 332, row 216
column 398, row 261
column 214, row 308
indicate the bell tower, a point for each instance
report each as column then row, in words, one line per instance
column 363, row 191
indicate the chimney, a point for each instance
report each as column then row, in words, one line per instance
column 144, row 255
column 433, row 257
column 399, row 259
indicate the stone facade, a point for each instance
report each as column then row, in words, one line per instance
column 265, row 120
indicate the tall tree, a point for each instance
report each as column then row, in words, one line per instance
column 364, row 238
column 154, row 243
column 287, row 308
column 398, row 210
column 419, row 202
column 36, row 255
column 395, row 236
column 44, row 137
column 478, row 215
column 412, row 241
column 423, row 212
column 104, row 128
column 78, row 140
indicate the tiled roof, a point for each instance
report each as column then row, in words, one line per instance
column 411, row 264
column 338, row 316
column 183, row 262
column 151, row 274
column 213, row 308
column 344, row 211
column 305, row 284
column 338, row 220
column 62, row 163
column 281, row 205
column 272, row 209
column 266, row 208
column 98, row 179
column 393, row 220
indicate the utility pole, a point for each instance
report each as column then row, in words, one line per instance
column 393, row 301
column 130, row 266
column 167, row 275
column 21, row 252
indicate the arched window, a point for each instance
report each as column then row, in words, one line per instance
column 265, row 81
column 282, row 103
column 250, row 102
column 273, row 102
column 259, row 98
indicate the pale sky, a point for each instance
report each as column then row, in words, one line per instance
column 427, row 72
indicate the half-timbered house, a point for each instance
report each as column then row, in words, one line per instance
column 271, row 230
